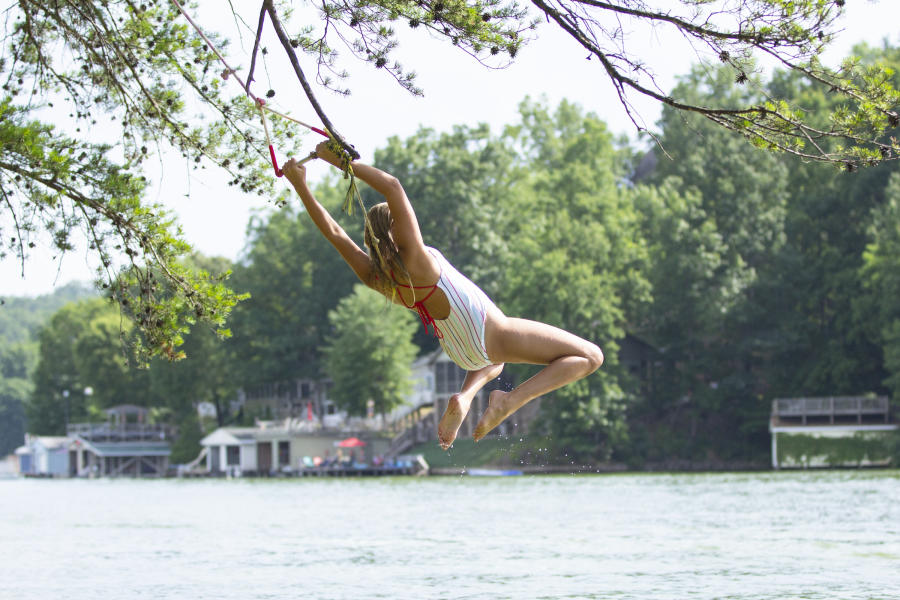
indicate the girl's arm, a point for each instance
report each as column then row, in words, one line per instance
column 354, row 256
column 406, row 231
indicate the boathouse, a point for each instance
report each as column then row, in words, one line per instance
column 838, row 431
column 125, row 445
column 273, row 448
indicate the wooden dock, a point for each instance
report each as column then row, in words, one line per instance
column 404, row 467
column 365, row 471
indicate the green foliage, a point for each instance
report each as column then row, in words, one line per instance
column 713, row 214
column 459, row 183
column 22, row 317
column 892, row 444
column 206, row 375
column 575, row 260
column 13, row 394
column 135, row 243
column 793, row 33
column 880, row 273
column 186, row 446
column 755, row 272
column 81, row 349
column 802, row 449
column 295, row 278
column 370, row 352
column 20, row 321
column 139, row 70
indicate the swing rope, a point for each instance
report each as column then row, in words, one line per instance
column 262, row 106
column 333, row 143
column 262, row 114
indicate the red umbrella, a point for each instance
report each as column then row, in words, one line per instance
column 351, row 442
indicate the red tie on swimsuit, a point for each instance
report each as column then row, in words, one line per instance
column 420, row 306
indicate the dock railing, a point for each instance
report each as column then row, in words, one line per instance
column 833, row 409
column 419, row 432
column 125, row 432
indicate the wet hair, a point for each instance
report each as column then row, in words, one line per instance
column 386, row 261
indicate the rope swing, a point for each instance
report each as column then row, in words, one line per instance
column 344, row 151
column 337, row 144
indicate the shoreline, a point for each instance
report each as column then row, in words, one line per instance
column 607, row 468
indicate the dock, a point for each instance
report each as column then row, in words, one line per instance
column 360, row 471
column 410, row 465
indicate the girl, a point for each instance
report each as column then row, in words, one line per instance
column 473, row 332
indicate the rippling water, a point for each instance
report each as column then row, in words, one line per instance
column 778, row 535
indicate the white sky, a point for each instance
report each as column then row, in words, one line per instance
column 457, row 91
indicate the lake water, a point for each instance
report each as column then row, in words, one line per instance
column 832, row 535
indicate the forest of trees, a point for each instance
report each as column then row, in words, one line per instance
column 753, row 275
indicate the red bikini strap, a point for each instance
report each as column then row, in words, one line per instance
column 426, row 318
column 424, row 315
column 411, row 287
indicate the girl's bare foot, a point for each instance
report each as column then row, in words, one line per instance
column 499, row 407
column 457, row 409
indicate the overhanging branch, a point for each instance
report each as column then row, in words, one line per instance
column 269, row 7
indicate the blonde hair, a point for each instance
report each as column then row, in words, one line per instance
column 386, row 261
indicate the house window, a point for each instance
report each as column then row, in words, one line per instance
column 449, row 378
column 232, row 456
column 284, row 453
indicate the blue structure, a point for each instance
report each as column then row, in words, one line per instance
column 44, row 456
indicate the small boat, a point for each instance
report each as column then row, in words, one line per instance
column 492, row 472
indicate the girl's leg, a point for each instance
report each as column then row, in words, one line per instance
column 567, row 356
column 458, row 405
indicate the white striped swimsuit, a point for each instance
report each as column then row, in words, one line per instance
column 461, row 334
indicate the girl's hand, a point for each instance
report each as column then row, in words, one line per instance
column 295, row 173
column 325, row 153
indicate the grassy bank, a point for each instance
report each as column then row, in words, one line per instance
column 489, row 452
column 537, row 454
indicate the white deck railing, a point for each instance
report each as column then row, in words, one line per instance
column 121, row 432
column 831, row 407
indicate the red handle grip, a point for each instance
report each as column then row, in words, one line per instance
column 278, row 172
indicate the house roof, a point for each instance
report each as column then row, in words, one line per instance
column 230, row 436
column 237, row 436
column 51, row 442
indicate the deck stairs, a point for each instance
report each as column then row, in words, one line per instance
column 419, row 432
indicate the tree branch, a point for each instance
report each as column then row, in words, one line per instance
column 259, row 30
column 620, row 79
column 286, row 43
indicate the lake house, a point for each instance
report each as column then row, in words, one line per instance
column 838, row 431
column 126, row 445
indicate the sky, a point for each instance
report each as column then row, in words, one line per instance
column 458, row 91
